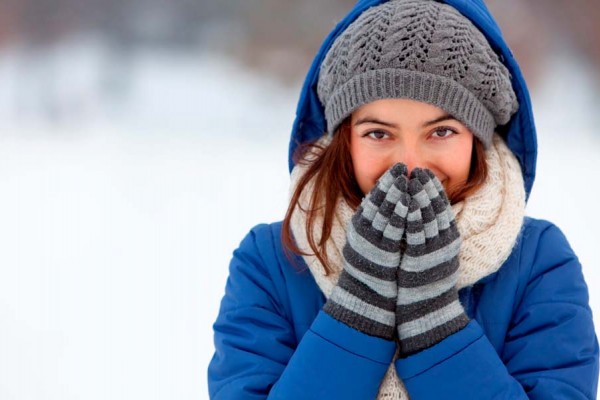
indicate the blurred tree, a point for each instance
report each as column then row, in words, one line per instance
column 283, row 35
column 576, row 21
column 8, row 21
column 278, row 35
column 536, row 28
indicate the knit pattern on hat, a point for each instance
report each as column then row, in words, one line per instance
column 489, row 223
column 420, row 50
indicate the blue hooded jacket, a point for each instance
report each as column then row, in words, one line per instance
column 531, row 334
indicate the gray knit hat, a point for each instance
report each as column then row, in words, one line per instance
column 421, row 50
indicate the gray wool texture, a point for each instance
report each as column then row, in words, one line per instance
column 428, row 308
column 420, row 50
column 366, row 292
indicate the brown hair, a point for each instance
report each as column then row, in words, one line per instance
column 333, row 173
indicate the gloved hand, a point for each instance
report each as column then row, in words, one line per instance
column 428, row 307
column 365, row 295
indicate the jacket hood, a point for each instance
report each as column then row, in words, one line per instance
column 519, row 133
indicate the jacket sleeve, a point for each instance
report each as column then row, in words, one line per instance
column 257, row 355
column 550, row 350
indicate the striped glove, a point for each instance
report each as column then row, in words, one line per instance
column 365, row 295
column 428, row 306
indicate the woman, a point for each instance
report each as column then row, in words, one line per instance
column 405, row 267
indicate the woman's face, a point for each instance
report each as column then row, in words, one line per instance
column 386, row 132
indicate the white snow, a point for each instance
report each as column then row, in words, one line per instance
column 117, row 221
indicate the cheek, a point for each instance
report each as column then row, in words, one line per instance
column 457, row 166
column 368, row 168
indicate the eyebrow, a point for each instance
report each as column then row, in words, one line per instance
column 441, row 118
column 373, row 120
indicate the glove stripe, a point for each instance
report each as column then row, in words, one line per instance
column 370, row 204
column 352, row 285
column 414, row 213
column 428, row 309
column 416, row 263
column 442, row 223
column 365, row 295
column 418, row 236
column 427, row 212
column 411, row 312
column 392, row 198
column 416, row 294
column 357, row 261
column 444, row 239
column 374, row 200
column 420, row 342
column 374, row 254
column 394, row 234
column 398, row 218
column 379, row 215
column 358, row 322
column 439, row 202
column 416, row 279
column 376, row 237
column 432, row 191
column 351, row 302
column 377, row 284
column 431, row 320
column 422, row 247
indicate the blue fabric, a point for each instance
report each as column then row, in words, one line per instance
column 519, row 133
column 531, row 334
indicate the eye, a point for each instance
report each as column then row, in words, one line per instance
column 377, row 135
column 443, row 132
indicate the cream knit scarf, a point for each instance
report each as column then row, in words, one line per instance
column 489, row 222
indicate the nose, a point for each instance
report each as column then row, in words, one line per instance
column 411, row 156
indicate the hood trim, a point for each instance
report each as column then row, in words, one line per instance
column 519, row 133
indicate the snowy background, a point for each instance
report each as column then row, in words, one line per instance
column 124, row 189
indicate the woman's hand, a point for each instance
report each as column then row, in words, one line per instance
column 365, row 295
column 428, row 308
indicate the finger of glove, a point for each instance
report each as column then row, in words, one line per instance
column 438, row 186
column 397, row 224
column 415, row 230
column 416, row 188
column 432, row 187
column 372, row 218
column 421, row 196
column 377, row 195
column 424, row 275
column 430, row 255
column 445, row 219
column 378, row 231
column 389, row 203
column 433, row 209
column 438, row 198
column 421, row 253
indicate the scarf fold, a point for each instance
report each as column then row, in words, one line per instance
column 489, row 222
